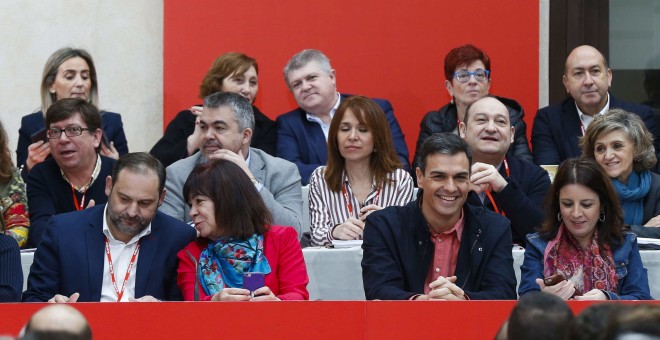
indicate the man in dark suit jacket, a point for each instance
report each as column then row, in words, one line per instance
column 121, row 251
column 302, row 134
column 113, row 131
column 558, row 128
column 438, row 247
column 505, row 184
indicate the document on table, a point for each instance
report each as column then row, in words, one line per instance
column 346, row 243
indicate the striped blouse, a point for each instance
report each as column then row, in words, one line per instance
column 328, row 209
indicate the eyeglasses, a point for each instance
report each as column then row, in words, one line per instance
column 464, row 76
column 70, row 131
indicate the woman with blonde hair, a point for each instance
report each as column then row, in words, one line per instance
column 68, row 73
column 623, row 147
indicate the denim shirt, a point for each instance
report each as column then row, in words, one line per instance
column 633, row 279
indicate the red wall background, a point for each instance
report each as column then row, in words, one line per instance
column 387, row 49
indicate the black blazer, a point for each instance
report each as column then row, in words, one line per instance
column 522, row 199
column 113, row 129
column 398, row 251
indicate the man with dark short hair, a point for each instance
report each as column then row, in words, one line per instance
column 73, row 179
column 438, row 247
column 123, row 251
column 587, row 79
column 226, row 123
column 302, row 134
column 540, row 316
column 509, row 186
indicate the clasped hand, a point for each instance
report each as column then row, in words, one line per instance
column 486, row 177
column 239, row 294
column 442, row 289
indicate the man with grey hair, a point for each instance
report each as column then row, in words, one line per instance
column 226, row 122
column 302, row 134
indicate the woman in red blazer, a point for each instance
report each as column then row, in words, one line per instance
column 236, row 237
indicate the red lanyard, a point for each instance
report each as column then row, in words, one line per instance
column 348, row 202
column 490, row 196
column 79, row 206
column 112, row 269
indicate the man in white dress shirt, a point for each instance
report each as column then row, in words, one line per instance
column 123, row 251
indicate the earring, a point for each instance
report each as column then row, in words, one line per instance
column 452, row 100
column 52, row 90
column 601, row 217
column 559, row 217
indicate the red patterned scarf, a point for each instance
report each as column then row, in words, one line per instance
column 591, row 268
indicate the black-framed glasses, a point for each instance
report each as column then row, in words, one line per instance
column 69, row 131
column 479, row 75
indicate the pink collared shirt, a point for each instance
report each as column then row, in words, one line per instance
column 445, row 254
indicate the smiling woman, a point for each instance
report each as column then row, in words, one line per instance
column 623, row 147
column 583, row 239
column 468, row 78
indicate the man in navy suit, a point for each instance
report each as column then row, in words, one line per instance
column 123, row 251
column 302, row 134
column 558, row 128
column 509, row 186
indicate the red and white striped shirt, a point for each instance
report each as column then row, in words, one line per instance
column 329, row 208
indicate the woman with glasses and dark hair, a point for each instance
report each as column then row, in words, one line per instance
column 14, row 219
column 230, row 72
column 363, row 174
column 68, row 73
column 622, row 145
column 239, row 255
column 582, row 251
column 467, row 73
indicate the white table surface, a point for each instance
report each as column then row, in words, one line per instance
column 336, row 274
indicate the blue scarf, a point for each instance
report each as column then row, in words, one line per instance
column 224, row 261
column 632, row 196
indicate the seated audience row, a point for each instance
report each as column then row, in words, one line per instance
column 130, row 237
column 445, row 245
